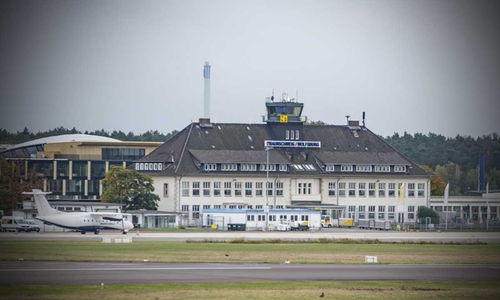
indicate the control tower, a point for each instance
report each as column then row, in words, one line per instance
column 284, row 117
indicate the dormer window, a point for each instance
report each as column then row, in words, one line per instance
column 382, row 168
column 271, row 167
column 210, row 167
column 346, row 168
column 363, row 168
column 291, row 134
column 400, row 168
column 229, row 167
column 329, row 168
column 248, row 167
column 283, row 168
column 287, row 134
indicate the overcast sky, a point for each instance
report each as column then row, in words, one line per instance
column 414, row 66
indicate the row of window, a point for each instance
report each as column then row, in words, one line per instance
column 384, row 189
column 365, row 168
column 195, row 189
column 284, row 167
column 343, row 189
column 363, row 212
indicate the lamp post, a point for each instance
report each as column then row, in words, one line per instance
column 267, row 189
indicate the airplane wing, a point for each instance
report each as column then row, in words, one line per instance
column 107, row 216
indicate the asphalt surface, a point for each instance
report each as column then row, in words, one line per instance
column 62, row 273
column 329, row 233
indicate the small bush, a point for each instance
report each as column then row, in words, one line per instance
column 182, row 227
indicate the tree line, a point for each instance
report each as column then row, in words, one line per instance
column 454, row 160
column 26, row 135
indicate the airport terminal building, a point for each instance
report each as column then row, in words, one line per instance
column 283, row 163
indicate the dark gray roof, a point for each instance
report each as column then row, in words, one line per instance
column 244, row 143
column 239, row 156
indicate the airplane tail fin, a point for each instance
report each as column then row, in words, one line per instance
column 42, row 205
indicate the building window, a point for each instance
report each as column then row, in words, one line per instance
column 411, row 190
column 287, row 134
column 296, row 134
column 352, row 212
column 258, row 206
column 361, row 212
column 185, row 189
column 352, row 189
column 227, row 189
column 346, row 168
column 362, row 189
column 229, row 167
column 399, row 168
column 269, row 188
column 382, row 168
column 329, row 168
column 210, row 167
column 263, row 167
column 206, row 207
column 331, row 189
column 291, row 134
column 391, row 190
column 206, row 189
column 342, row 189
column 237, row 189
column 371, row 189
column 258, row 189
column 232, row 206
column 165, row 190
column 185, row 208
column 217, row 207
column 363, row 168
column 249, row 206
column 411, row 212
column 392, row 209
column 304, row 188
column 250, row 217
column 261, row 217
column 217, row 189
column 248, row 167
column 283, row 168
column 381, row 212
column 381, row 189
column 196, row 211
column 279, row 189
column 371, row 212
column 280, row 207
column 248, row 189
column 421, row 188
column 196, row 188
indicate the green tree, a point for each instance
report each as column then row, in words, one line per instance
column 437, row 183
column 12, row 184
column 450, row 173
column 131, row 188
column 425, row 212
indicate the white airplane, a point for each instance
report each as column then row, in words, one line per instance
column 81, row 221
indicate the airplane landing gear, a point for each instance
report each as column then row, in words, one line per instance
column 125, row 231
column 96, row 232
column 83, row 232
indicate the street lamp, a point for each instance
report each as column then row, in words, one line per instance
column 267, row 188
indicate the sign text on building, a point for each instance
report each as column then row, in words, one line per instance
column 292, row 144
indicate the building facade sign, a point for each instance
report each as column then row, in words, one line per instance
column 292, row 144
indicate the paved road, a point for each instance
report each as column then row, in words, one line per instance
column 61, row 273
column 330, row 233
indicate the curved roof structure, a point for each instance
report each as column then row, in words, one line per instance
column 59, row 139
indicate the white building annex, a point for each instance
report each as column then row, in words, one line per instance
column 342, row 170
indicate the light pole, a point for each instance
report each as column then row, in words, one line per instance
column 267, row 188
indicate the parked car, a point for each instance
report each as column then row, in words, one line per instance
column 33, row 225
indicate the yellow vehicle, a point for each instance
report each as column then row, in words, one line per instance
column 346, row 222
column 326, row 221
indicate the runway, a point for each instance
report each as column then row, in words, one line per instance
column 328, row 233
column 63, row 273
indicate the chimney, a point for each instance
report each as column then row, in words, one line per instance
column 206, row 75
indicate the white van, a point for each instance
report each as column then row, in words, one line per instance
column 14, row 224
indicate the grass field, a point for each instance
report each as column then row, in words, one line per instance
column 296, row 290
column 180, row 252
